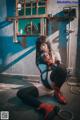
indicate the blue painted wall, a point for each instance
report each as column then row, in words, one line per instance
column 14, row 59
column 8, row 49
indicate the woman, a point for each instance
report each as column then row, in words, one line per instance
column 30, row 96
column 59, row 72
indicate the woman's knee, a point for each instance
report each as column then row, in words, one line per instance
column 20, row 94
column 58, row 74
column 28, row 91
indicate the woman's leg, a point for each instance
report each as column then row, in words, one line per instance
column 58, row 76
column 30, row 95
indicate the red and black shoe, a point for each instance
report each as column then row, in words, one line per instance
column 59, row 96
column 50, row 111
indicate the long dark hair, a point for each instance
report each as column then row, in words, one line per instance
column 41, row 39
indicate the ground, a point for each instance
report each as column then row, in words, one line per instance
column 19, row 111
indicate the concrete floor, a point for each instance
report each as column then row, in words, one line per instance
column 18, row 111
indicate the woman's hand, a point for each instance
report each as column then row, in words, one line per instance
column 48, row 59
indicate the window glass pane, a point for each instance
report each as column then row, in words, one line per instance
column 34, row 4
column 42, row 0
column 41, row 3
column 34, row 8
column 28, row 4
column 34, row 11
column 21, row 12
column 28, row 11
column 24, row 26
column 36, row 26
column 21, row 2
column 28, row 29
column 41, row 10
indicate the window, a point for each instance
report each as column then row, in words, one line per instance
column 30, row 7
column 29, row 27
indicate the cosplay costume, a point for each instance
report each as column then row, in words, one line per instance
column 57, row 76
column 58, row 73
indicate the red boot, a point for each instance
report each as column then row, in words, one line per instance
column 61, row 99
column 50, row 110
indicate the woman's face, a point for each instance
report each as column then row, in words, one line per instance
column 44, row 47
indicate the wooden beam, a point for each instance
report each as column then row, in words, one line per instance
column 16, row 7
column 28, row 35
column 27, row 17
column 14, row 31
column 31, row 8
column 57, row 18
column 46, row 6
column 37, row 7
column 24, row 7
